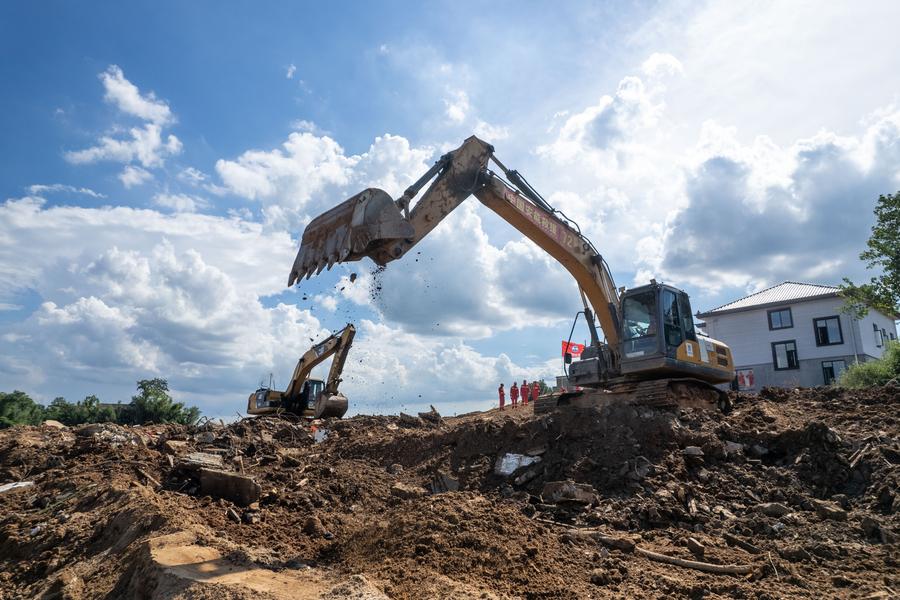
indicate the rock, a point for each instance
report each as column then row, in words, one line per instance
column 233, row 515
column 829, row 510
column 733, row 448
column 205, row 437
column 251, row 517
column 692, row 451
column 313, row 526
column 758, row 450
column 406, row 492
column 395, row 469
column 568, row 491
column 53, row 424
column 695, row 547
column 442, row 482
column 239, row 489
column 772, row 509
column 795, row 554
column 175, row 446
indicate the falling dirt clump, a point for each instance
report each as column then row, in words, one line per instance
column 794, row 494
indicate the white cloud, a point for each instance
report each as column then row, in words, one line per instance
column 310, row 173
column 40, row 189
column 762, row 214
column 132, row 176
column 145, row 146
column 457, row 106
column 128, row 98
column 661, row 64
column 490, row 133
column 289, row 72
column 180, row 202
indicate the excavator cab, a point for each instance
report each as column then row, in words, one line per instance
column 659, row 339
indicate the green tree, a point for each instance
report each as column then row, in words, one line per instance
column 88, row 410
column 883, row 291
column 153, row 404
column 17, row 408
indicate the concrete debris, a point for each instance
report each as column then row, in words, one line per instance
column 406, row 491
column 568, row 491
column 829, row 510
column 53, row 424
column 240, row 489
column 509, row 463
column 696, row 548
column 201, row 460
column 772, row 509
column 176, row 446
column 16, row 485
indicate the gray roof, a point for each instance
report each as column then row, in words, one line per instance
column 783, row 293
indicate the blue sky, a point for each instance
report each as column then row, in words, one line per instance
column 161, row 160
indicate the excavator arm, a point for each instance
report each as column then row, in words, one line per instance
column 358, row 227
column 337, row 343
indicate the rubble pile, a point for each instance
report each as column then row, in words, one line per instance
column 795, row 493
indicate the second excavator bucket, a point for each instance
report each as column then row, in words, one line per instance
column 351, row 230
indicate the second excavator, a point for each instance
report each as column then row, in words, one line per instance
column 652, row 354
column 304, row 396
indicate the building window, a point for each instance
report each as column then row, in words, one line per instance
column 828, row 331
column 879, row 338
column 832, row 369
column 780, row 318
column 784, row 355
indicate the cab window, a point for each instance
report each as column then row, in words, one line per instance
column 639, row 315
column 671, row 318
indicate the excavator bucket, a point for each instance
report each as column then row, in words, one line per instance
column 351, row 230
column 330, row 405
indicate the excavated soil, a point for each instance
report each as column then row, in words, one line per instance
column 796, row 489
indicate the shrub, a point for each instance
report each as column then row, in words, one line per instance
column 874, row 372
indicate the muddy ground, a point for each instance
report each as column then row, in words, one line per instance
column 795, row 491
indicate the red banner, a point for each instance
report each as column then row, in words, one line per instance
column 572, row 348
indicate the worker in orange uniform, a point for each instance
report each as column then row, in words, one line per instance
column 525, row 391
column 514, row 394
column 502, row 393
column 535, row 390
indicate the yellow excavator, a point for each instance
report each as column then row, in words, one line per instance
column 304, row 396
column 652, row 353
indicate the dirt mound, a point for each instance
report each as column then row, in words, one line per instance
column 793, row 494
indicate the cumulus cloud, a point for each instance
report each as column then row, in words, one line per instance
column 289, row 72
column 457, row 106
column 132, row 176
column 742, row 224
column 128, row 98
column 660, row 63
column 310, row 173
column 145, row 144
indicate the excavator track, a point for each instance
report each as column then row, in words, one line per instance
column 657, row 393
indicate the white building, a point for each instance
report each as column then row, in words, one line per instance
column 794, row 334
